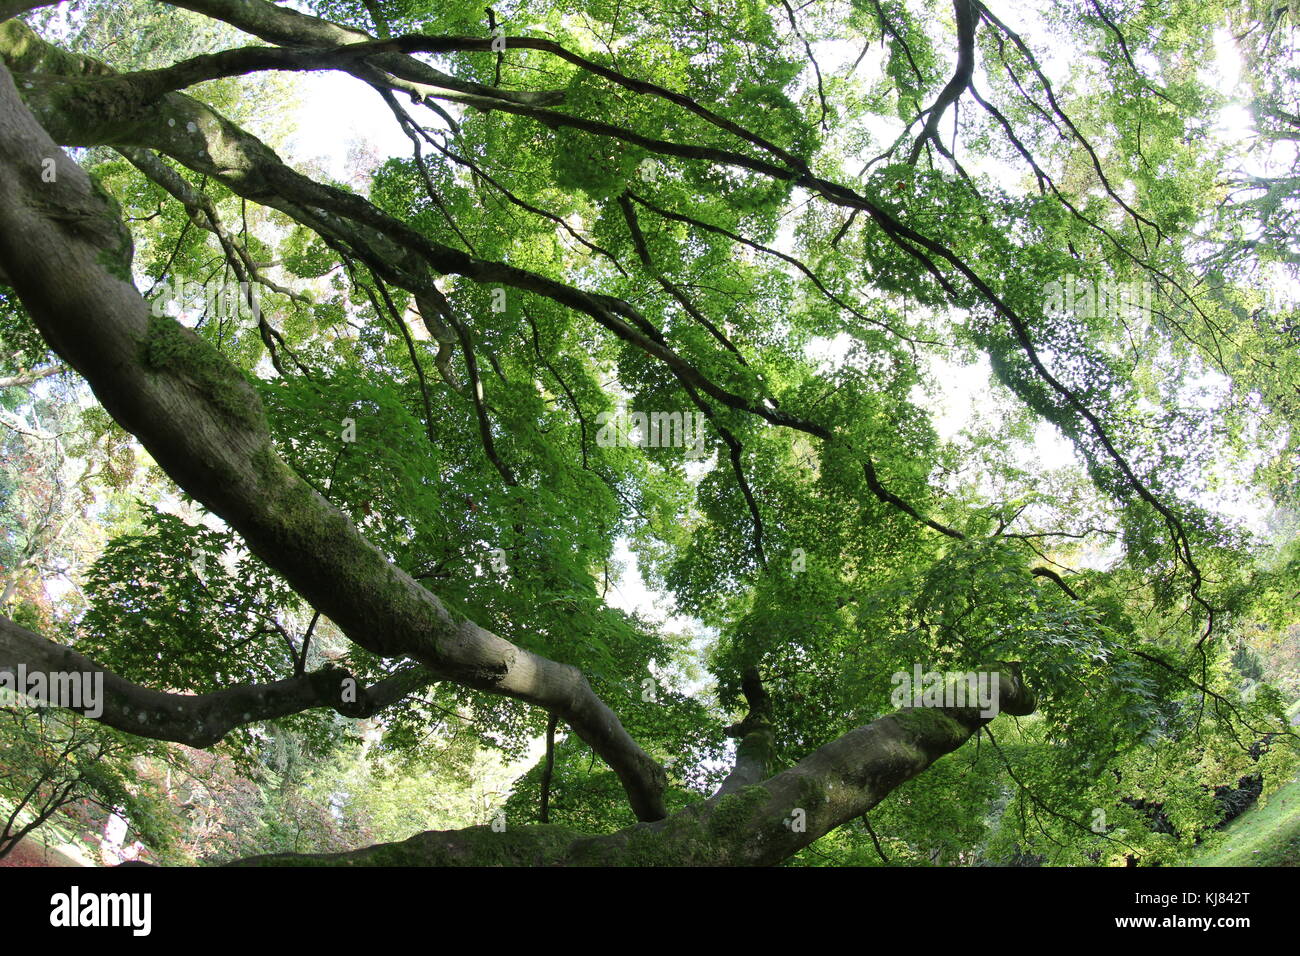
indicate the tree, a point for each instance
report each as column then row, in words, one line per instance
column 406, row 411
column 54, row 760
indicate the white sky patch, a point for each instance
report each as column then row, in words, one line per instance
column 1235, row 123
column 962, row 394
column 629, row 593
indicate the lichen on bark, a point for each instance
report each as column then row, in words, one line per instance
column 173, row 349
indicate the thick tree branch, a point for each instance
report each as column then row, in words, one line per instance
column 12, row 8
column 755, row 746
column 751, row 826
column 287, row 27
column 204, row 425
column 961, row 77
column 200, row 720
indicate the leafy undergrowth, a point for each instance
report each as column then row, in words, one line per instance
column 1267, row 834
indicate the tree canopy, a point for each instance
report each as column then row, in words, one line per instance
column 788, row 302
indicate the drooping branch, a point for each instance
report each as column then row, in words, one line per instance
column 1127, row 54
column 734, row 446
column 69, row 256
column 812, row 59
column 400, row 322
column 199, row 720
column 817, row 282
column 203, row 212
column 475, row 390
column 1075, row 132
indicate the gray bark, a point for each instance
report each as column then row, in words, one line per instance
column 68, row 256
column 199, row 720
column 757, row 825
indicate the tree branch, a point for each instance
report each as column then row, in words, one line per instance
column 754, row 751
column 961, row 77
column 750, row 826
column 28, row 378
column 201, row 720
column 204, row 425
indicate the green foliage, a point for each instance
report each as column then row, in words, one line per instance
column 60, row 769
column 1153, row 617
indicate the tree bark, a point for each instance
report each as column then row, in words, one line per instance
column 12, row 8
column 199, row 720
column 68, row 255
column 757, row 825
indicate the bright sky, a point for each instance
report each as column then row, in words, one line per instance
column 338, row 110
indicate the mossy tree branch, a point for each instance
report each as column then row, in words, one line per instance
column 69, row 255
column 758, row 824
column 201, row 720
